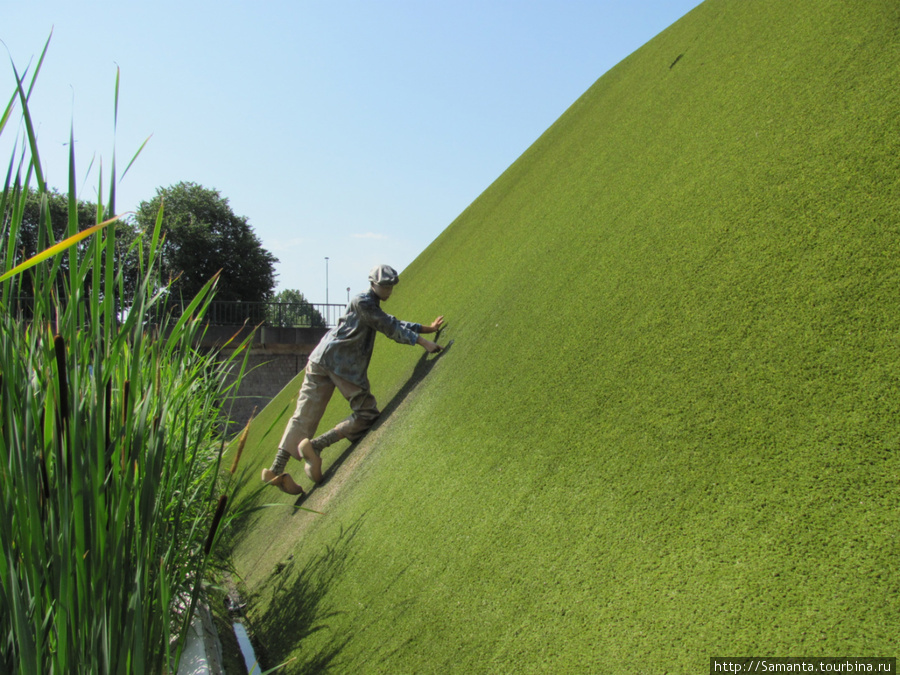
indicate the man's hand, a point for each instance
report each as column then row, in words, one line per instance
column 430, row 347
column 435, row 325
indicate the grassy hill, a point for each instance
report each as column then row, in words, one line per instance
column 667, row 428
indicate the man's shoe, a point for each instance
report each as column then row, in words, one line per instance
column 283, row 482
column 313, row 465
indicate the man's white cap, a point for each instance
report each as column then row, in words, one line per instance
column 384, row 275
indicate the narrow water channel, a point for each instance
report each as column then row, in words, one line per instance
column 246, row 649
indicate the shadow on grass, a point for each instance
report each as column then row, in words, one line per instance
column 297, row 609
column 423, row 367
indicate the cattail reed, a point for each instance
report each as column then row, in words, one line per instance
column 59, row 346
column 220, row 510
column 241, row 443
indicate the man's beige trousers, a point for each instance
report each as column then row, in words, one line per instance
column 318, row 386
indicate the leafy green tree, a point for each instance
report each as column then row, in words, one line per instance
column 44, row 220
column 290, row 308
column 34, row 238
column 203, row 236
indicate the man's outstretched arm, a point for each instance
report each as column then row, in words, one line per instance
column 430, row 347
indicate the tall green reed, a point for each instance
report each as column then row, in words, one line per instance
column 110, row 443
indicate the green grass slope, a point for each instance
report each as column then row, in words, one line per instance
column 667, row 427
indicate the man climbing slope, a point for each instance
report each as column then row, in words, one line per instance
column 341, row 360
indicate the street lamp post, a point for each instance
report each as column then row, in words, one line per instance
column 326, row 279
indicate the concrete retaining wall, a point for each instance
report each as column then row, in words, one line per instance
column 267, row 374
column 270, row 366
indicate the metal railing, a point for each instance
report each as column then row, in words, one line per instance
column 22, row 307
column 281, row 314
column 238, row 313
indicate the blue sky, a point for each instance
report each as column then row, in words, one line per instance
column 348, row 129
